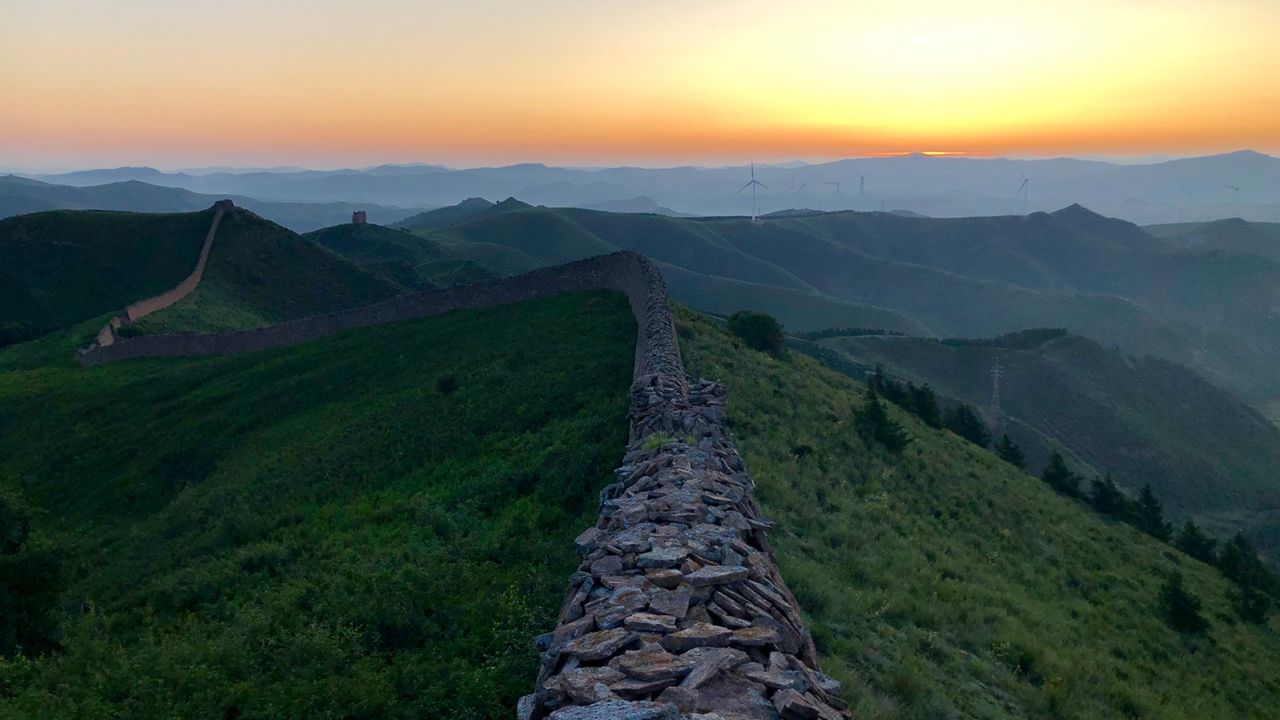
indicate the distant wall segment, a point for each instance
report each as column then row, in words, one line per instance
column 677, row 609
column 142, row 308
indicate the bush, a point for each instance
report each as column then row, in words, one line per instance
column 1196, row 544
column 758, row 331
column 446, row 384
column 1181, row 609
column 1008, row 451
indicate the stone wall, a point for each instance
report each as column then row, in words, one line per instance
column 142, row 308
column 677, row 609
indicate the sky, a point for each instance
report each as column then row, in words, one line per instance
column 327, row 83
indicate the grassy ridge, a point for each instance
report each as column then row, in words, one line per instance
column 410, row 261
column 370, row 525
column 259, row 273
column 944, row 583
column 63, row 267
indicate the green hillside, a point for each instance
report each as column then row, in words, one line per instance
column 944, row 583
column 370, row 525
column 259, row 273
column 1205, row 453
column 1104, row 279
column 408, row 260
column 1233, row 236
column 60, row 268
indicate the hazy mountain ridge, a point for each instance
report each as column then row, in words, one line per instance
column 1241, row 184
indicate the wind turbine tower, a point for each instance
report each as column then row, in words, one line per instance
column 1024, row 190
column 755, row 206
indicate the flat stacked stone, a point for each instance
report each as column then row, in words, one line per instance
column 677, row 610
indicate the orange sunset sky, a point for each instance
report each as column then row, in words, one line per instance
column 334, row 82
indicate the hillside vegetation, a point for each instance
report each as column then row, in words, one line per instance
column 942, row 582
column 1205, row 453
column 1103, row 279
column 370, row 525
column 62, row 268
column 259, row 273
column 407, row 260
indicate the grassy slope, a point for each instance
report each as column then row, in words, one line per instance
column 410, row 261
column 344, row 540
column 946, row 584
column 1205, row 453
column 63, row 267
column 259, row 274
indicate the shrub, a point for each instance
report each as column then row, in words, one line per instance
column 446, row 384
column 758, row 331
column 1196, row 544
column 1149, row 516
column 875, row 425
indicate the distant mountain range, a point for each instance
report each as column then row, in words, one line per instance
column 1243, row 184
column 20, row 195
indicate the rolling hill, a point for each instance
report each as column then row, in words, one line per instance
column 374, row 524
column 62, row 268
column 1100, row 278
column 259, row 273
column 408, row 260
column 20, row 196
column 944, row 583
column 1206, row 454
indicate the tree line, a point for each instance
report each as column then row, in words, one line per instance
column 1254, row 583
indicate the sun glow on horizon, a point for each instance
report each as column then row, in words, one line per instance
column 568, row 81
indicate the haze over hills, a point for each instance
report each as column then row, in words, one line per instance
column 120, row 191
column 1242, row 184
column 1101, row 278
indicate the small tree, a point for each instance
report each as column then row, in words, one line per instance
column 1009, row 452
column 1196, row 544
column 1105, row 497
column 1181, row 609
column 924, row 403
column 1149, row 516
column 1251, row 604
column 758, row 331
column 1241, row 565
column 875, row 425
column 1059, row 477
column 963, row 421
column 890, row 390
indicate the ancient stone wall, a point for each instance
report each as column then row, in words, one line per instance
column 677, row 610
column 142, row 308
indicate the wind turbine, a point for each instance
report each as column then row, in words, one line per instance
column 862, row 184
column 1025, row 191
column 755, row 207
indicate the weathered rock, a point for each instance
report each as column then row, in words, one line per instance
column 620, row 604
column 716, row 661
column 599, row 645
column 650, row 623
column 651, row 663
column 585, row 685
column 671, row 602
column 791, row 705
column 665, row 577
column 526, row 707
column 697, row 635
column 668, row 557
column 587, row 541
column 755, row 636
column 716, row 575
column 607, row 565
column 619, row 710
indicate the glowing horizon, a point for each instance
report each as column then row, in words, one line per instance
column 334, row 82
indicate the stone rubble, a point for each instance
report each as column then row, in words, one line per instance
column 677, row 610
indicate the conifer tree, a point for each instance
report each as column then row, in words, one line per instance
column 924, row 403
column 1240, row 564
column 1181, row 608
column 1196, row 544
column 1059, row 477
column 1149, row 516
column 1105, row 497
column 875, row 425
column 1009, row 452
column 963, row 421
